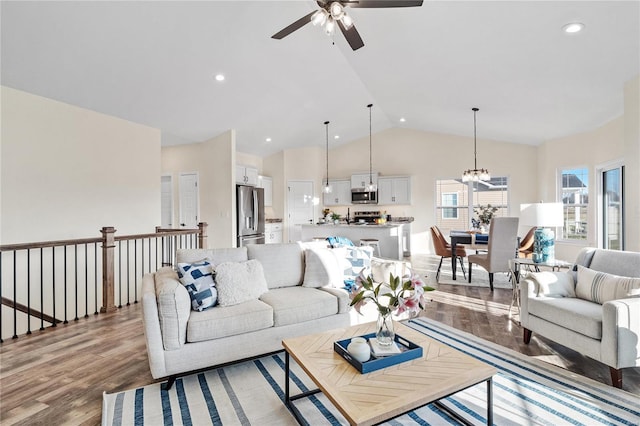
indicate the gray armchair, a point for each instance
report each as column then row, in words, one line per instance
column 503, row 245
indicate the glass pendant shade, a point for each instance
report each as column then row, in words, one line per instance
column 347, row 21
column 475, row 174
column 336, row 10
column 320, row 17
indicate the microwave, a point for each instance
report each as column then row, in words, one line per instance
column 362, row 196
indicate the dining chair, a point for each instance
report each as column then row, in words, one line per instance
column 443, row 249
column 503, row 245
column 526, row 244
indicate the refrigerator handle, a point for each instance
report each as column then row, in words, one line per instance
column 255, row 210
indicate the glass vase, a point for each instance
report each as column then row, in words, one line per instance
column 385, row 333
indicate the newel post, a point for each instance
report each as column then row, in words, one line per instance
column 108, row 246
column 202, row 235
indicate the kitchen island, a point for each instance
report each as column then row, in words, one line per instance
column 389, row 235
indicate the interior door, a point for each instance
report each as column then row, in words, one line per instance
column 300, row 207
column 166, row 201
column 189, row 200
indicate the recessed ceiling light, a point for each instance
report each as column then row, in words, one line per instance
column 402, row 120
column 336, row 137
column 573, row 27
column 268, row 139
column 219, row 77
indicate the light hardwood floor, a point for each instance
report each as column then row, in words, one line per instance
column 56, row 377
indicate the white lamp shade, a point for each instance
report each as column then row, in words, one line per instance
column 544, row 215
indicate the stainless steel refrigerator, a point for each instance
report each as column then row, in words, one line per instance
column 250, row 215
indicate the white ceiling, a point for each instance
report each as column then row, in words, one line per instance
column 154, row 63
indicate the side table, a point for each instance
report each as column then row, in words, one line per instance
column 514, row 270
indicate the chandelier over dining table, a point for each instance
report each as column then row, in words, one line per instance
column 475, row 174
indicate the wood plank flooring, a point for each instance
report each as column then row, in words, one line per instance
column 56, row 377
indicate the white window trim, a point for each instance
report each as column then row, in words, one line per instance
column 560, row 235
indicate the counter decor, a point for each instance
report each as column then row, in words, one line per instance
column 395, row 297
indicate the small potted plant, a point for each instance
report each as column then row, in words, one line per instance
column 485, row 214
column 335, row 217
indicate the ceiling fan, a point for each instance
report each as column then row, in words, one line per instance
column 332, row 13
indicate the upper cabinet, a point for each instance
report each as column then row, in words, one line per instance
column 394, row 190
column 266, row 183
column 340, row 194
column 246, row 175
column 361, row 180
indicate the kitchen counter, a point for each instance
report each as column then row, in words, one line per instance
column 389, row 235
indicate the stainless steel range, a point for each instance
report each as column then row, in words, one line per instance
column 368, row 216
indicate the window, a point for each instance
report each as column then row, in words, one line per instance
column 450, row 199
column 574, row 187
column 611, row 206
column 456, row 200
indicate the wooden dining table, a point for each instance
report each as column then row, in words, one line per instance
column 459, row 237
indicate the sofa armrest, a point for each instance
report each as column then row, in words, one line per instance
column 151, row 327
column 621, row 333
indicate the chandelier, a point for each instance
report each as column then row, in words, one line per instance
column 327, row 188
column 329, row 18
column 475, row 174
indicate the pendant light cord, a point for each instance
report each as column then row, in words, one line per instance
column 326, row 124
column 370, row 158
column 475, row 149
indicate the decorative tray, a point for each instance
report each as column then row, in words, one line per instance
column 408, row 351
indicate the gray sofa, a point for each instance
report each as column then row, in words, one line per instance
column 591, row 309
column 181, row 340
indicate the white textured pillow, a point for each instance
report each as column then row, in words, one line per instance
column 381, row 268
column 321, row 268
column 239, row 282
column 553, row 284
column 601, row 287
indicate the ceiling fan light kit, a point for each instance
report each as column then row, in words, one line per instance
column 332, row 13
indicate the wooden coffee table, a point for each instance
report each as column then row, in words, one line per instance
column 371, row 398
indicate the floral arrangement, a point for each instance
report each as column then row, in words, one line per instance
column 398, row 296
column 485, row 213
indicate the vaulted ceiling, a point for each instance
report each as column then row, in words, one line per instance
column 154, row 63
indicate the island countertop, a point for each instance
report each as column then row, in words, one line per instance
column 389, row 235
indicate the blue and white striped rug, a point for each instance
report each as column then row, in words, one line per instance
column 526, row 392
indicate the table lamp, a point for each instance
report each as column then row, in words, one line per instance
column 543, row 216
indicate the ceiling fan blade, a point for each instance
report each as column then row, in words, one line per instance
column 352, row 36
column 384, row 3
column 295, row 26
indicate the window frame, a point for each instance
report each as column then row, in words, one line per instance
column 449, row 207
column 559, row 197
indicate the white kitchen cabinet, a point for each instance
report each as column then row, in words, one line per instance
column 246, row 175
column 394, row 190
column 273, row 233
column 266, row 183
column 340, row 194
column 361, row 180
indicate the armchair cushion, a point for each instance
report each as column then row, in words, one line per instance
column 575, row 314
column 601, row 287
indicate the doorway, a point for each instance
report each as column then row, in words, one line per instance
column 300, row 207
column 189, row 200
column 166, row 201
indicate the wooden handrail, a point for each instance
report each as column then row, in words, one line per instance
column 22, row 308
column 162, row 233
column 46, row 244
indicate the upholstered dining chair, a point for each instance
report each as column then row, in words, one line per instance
column 443, row 249
column 503, row 244
column 526, row 244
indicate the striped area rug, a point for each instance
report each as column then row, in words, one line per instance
column 526, row 392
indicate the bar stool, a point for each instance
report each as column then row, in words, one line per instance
column 371, row 242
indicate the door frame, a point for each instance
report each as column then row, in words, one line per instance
column 600, row 169
column 180, row 210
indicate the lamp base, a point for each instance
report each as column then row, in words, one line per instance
column 543, row 245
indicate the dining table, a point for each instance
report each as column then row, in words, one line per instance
column 464, row 237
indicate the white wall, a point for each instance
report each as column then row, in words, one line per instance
column 67, row 171
column 632, row 159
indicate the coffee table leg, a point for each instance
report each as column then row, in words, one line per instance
column 490, row 401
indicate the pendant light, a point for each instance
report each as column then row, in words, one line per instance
column 371, row 187
column 475, row 174
column 327, row 188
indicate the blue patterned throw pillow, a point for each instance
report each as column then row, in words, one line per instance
column 199, row 279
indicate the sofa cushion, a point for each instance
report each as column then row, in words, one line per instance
column 581, row 316
column 283, row 264
column 292, row 305
column 198, row 279
column 174, row 306
column 321, row 268
column 601, row 287
column 223, row 321
column 240, row 282
column 215, row 256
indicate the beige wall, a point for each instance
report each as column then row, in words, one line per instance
column 214, row 160
column 68, row 171
column 632, row 160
